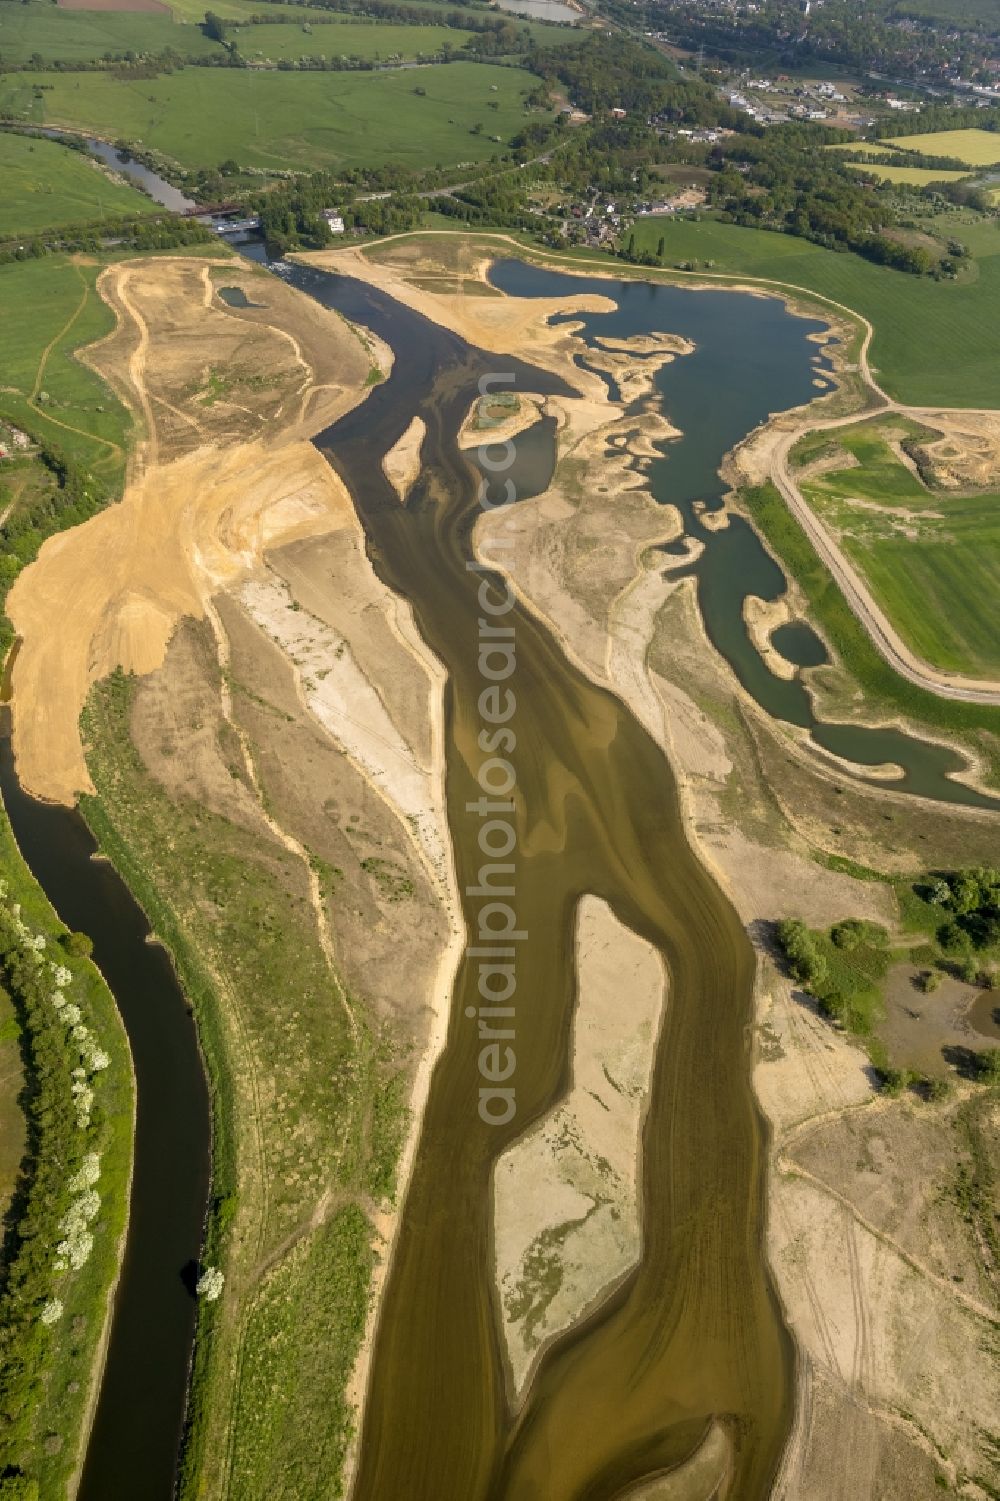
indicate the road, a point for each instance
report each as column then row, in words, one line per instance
column 853, row 587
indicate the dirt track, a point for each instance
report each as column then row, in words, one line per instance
column 227, row 400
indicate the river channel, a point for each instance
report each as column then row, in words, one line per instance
column 695, row 1334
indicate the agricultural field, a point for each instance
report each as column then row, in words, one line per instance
column 931, row 559
column 83, row 35
column 45, row 185
column 202, row 116
column 934, row 341
column 873, row 153
column 244, row 10
column 979, row 148
column 916, row 177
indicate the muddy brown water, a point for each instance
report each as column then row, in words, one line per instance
column 695, row 1333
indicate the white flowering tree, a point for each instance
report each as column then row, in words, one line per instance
column 210, row 1284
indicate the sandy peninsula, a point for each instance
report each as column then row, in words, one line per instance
column 566, row 1194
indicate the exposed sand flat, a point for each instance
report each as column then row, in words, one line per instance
column 351, row 709
column 109, row 593
column 502, row 324
column 566, row 1209
column 331, row 577
column 633, row 363
column 206, row 494
column 702, row 1476
column 402, row 463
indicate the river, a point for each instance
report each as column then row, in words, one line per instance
column 694, row 1336
column 133, row 1450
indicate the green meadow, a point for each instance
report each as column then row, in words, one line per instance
column 49, row 308
column 46, row 185
column 325, row 35
column 341, row 38
column 202, row 116
column 83, row 35
column 934, row 341
column 38, row 28
column 931, row 559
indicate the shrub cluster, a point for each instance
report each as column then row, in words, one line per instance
column 842, row 968
column 972, row 899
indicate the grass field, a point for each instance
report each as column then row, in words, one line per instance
column 45, row 184
column 335, row 38
column 74, row 36
column 242, row 10
column 327, row 35
column 81, row 35
column 980, row 148
column 48, row 309
column 917, row 177
column 202, row 116
column 961, row 13
column 873, row 153
column 884, row 691
column 934, row 341
column 932, row 560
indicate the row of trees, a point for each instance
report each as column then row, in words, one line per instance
column 155, row 232
column 54, row 1200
